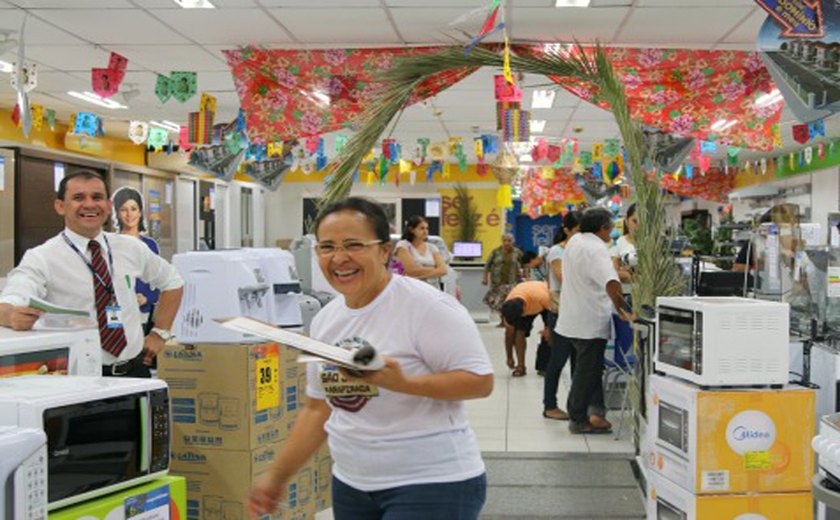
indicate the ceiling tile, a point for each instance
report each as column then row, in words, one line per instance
column 36, row 32
column 166, row 58
column 224, row 26
column 695, row 3
column 350, row 26
column 675, row 26
column 68, row 57
column 71, row 4
column 747, row 32
column 424, row 25
column 432, row 4
column 552, row 24
column 320, row 3
column 118, row 26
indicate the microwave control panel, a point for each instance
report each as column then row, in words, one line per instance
column 31, row 487
column 159, row 400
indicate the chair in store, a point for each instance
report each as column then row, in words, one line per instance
column 621, row 366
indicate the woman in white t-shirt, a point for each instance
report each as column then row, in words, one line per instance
column 624, row 250
column 419, row 258
column 399, row 437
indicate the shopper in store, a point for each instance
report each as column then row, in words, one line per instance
column 386, row 428
column 84, row 268
column 129, row 220
column 560, row 348
column 624, row 250
column 502, row 271
column 419, row 258
column 524, row 303
column 591, row 288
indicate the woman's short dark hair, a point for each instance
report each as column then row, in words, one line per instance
column 84, row 174
column 527, row 257
column 123, row 195
column 595, row 219
column 570, row 221
column 410, row 225
column 630, row 212
column 372, row 211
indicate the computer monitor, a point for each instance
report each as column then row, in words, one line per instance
column 468, row 250
column 723, row 283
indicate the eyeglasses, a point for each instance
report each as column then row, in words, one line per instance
column 351, row 246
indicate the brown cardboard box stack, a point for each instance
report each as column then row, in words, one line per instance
column 232, row 407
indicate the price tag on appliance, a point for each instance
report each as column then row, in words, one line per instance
column 756, row 460
column 268, row 385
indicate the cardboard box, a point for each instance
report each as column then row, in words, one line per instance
column 322, row 469
column 668, row 500
column 219, row 482
column 165, row 497
column 733, row 440
column 231, row 397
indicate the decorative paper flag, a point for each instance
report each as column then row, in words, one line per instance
column 437, row 151
column 384, row 163
column 274, row 149
column 117, row 62
column 763, row 164
column 321, row 162
column 809, row 154
column 370, row 177
column 138, row 132
column 816, row 129
column 504, row 196
column 106, row 82
column 462, row 162
column 434, row 167
column 612, row 147
column 488, row 27
column 86, row 123
column 482, row 169
column 201, row 127
column 207, row 103
column 27, row 78
column 732, row 155
column 791, row 163
column 506, row 91
column 184, row 139
column 586, row 159
column 340, row 142
column 597, row 151
column 831, row 148
column 777, row 135
column 447, row 170
column 748, row 168
column 16, row 116
column 183, row 85
column 163, row 88
column 614, row 171
column 51, row 118
column 312, row 144
column 405, row 166
column 801, row 133
column 478, row 148
column 308, row 166
column 455, row 146
column 490, row 143
column 37, row 116
column 821, row 151
column 689, row 171
column 157, row 137
column 395, row 151
column 554, row 153
column 705, row 163
column 506, row 62
column 412, row 177
column 707, row 147
column 801, row 159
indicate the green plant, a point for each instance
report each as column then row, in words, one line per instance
column 699, row 235
column 467, row 211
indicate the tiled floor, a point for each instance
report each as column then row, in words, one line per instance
column 511, row 418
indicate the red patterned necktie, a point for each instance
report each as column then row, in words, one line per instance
column 112, row 339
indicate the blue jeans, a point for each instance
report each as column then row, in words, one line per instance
column 445, row 501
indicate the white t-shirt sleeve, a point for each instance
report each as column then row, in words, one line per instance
column 460, row 348
column 28, row 279
column 601, row 267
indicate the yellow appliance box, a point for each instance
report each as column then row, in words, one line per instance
column 732, row 440
column 668, row 500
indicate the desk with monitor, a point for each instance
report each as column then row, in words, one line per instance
column 467, row 262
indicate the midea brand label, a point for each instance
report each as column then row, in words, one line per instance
column 750, row 430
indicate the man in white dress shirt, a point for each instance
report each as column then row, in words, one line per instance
column 85, row 268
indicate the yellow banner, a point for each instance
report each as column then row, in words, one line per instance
column 489, row 218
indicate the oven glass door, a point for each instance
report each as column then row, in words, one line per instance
column 94, row 445
column 673, row 426
column 667, row 511
column 677, row 341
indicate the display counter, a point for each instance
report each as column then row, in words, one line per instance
column 472, row 290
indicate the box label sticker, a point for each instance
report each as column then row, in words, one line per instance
column 153, row 505
column 715, row 480
column 756, row 460
column 268, row 386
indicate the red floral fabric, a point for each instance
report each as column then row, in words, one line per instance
column 714, row 186
column 290, row 94
column 686, row 91
column 549, row 196
column 681, row 91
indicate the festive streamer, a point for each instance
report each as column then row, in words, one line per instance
column 504, row 196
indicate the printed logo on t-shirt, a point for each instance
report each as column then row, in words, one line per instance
column 348, row 394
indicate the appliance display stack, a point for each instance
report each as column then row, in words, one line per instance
column 727, row 436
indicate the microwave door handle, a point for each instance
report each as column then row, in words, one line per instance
column 145, row 437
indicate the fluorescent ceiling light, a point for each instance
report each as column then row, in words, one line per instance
column 90, row 97
column 195, row 4
column 572, row 3
column 166, row 125
column 722, row 124
column 537, row 125
column 543, row 99
column 6, row 67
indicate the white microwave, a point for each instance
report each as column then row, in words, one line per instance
column 103, row 434
column 713, row 341
column 52, row 353
column 23, row 473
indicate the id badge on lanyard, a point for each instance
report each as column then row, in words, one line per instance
column 113, row 313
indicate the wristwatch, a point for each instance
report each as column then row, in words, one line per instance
column 164, row 334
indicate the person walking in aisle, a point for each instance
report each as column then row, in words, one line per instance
column 84, row 268
column 419, row 258
column 386, row 429
column 591, row 288
column 560, row 348
column 524, row 302
column 502, row 271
